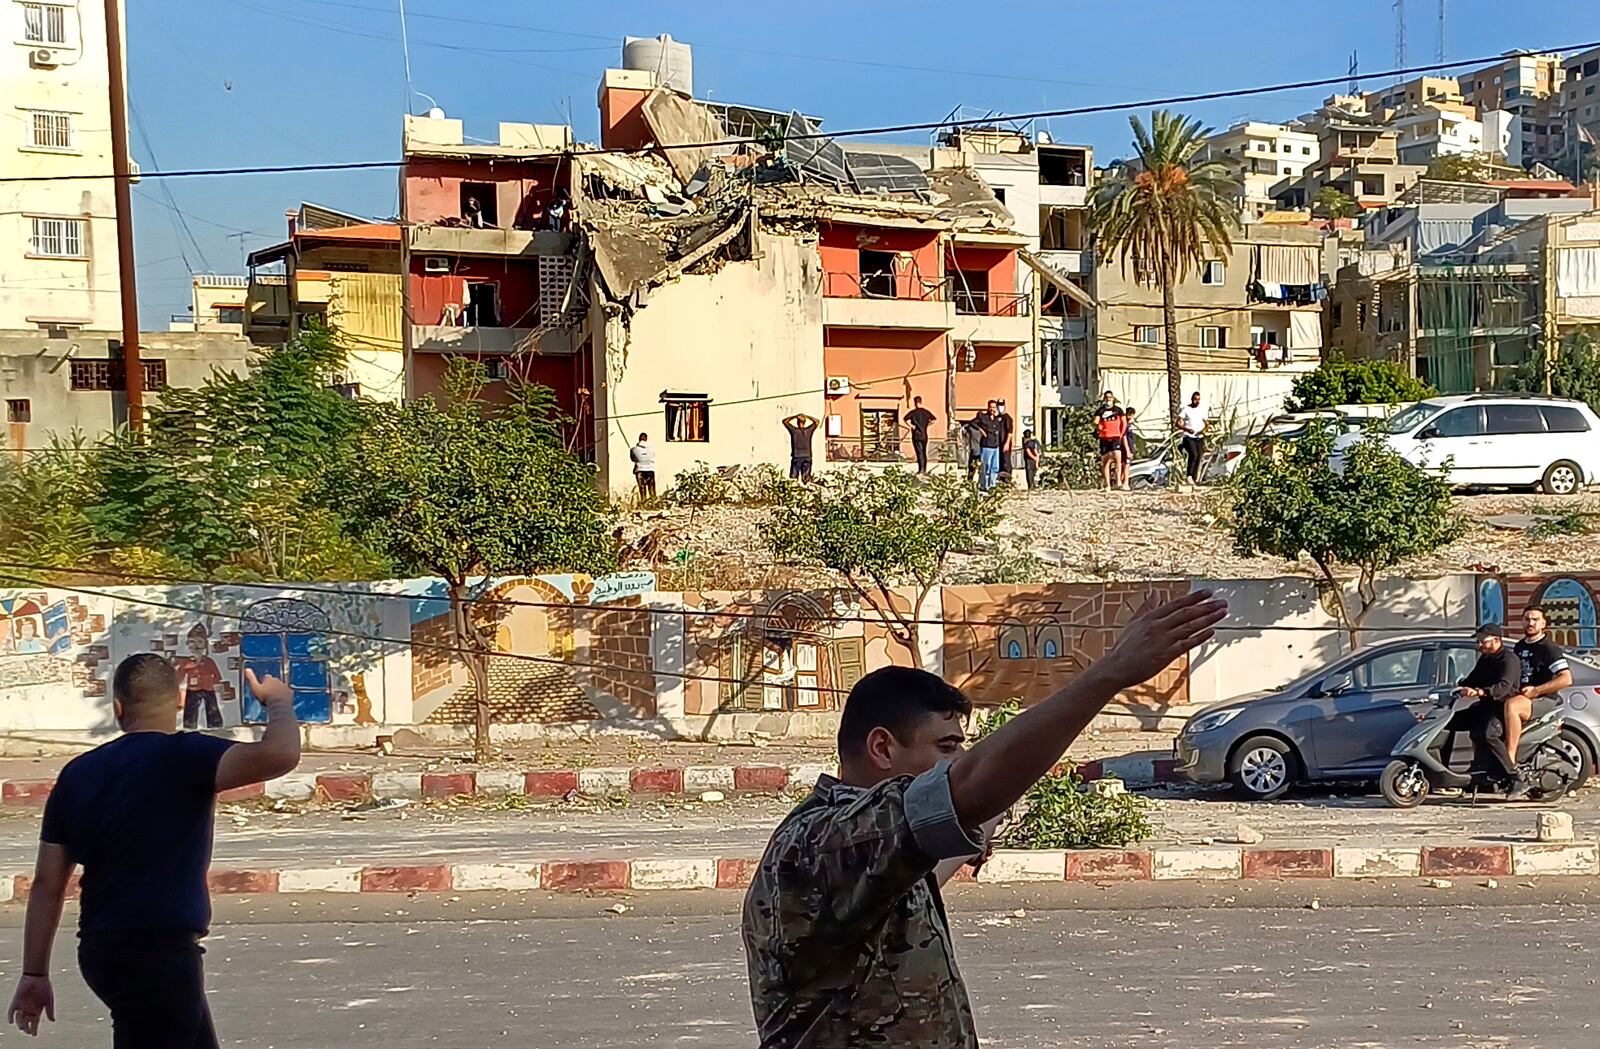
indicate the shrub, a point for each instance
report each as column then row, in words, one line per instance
column 1058, row 813
column 766, row 485
column 698, row 487
column 1074, row 462
column 1354, row 382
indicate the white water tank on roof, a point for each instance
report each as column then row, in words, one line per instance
column 670, row 60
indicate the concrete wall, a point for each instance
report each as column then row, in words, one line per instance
column 575, row 653
column 749, row 336
column 38, row 369
column 80, row 291
column 1245, row 396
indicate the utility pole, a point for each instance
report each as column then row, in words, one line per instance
column 1547, row 280
column 122, row 171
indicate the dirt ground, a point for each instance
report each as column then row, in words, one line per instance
column 1088, row 536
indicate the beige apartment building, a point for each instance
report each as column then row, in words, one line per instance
column 1264, row 155
column 58, row 236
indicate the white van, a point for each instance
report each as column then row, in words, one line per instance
column 1495, row 439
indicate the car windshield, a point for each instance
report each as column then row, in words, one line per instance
column 1412, row 417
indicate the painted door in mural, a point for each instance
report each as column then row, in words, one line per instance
column 789, row 676
column 1571, row 611
column 287, row 638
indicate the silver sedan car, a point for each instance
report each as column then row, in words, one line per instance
column 1341, row 722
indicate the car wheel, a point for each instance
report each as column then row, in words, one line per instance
column 1263, row 768
column 1563, row 478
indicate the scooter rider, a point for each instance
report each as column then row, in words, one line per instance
column 1496, row 677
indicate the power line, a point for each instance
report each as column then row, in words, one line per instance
column 890, row 129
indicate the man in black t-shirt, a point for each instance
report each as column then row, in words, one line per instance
column 136, row 814
column 919, row 419
column 1008, row 429
column 1494, row 678
column 1544, row 672
column 800, row 428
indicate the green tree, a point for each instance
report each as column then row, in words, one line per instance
column 880, row 530
column 1460, row 167
column 43, row 496
column 1354, row 382
column 456, row 491
column 1331, row 203
column 1165, row 215
column 221, row 481
column 1368, row 515
column 1575, row 373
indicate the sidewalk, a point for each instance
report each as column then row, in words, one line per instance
column 673, row 843
column 600, row 766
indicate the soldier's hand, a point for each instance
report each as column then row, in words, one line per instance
column 1159, row 634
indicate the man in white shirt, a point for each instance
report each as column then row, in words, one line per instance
column 1192, row 425
column 644, row 468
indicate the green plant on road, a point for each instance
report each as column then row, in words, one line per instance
column 1568, row 522
column 1377, row 510
column 1354, row 382
column 1059, row 813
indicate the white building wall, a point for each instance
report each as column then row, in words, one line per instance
column 748, row 336
column 74, row 81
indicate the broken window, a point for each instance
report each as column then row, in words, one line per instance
column 877, row 274
column 1063, row 167
column 1060, row 229
column 880, row 434
column 483, row 305
column 972, row 291
column 19, row 411
column 688, row 416
column 478, row 204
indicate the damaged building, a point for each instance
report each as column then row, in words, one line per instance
column 700, row 290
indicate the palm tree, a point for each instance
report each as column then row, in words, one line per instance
column 1165, row 212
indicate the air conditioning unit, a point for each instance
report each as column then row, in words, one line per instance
column 838, row 385
column 43, row 58
column 436, row 264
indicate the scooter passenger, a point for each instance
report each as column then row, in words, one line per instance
column 1496, row 677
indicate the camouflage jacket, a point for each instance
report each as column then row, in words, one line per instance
column 844, row 928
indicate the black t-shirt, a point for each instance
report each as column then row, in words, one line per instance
column 1008, row 426
column 800, row 438
column 1541, row 660
column 136, row 813
column 1031, row 444
column 988, row 427
column 919, row 419
column 1499, row 674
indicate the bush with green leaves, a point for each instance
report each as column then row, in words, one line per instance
column 1074, row 462
column 766, row 485
column 1354, row 382
column 884, row 529
column 699, row 487
column 1058, row 812
column 44, row 496
column 1373, row 512
column 1576, row 372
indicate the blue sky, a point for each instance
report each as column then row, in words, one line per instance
column 255, row 82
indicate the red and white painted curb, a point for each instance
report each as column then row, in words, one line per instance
column 1007, row 866
column 647, row 781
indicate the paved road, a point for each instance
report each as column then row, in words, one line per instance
column 1162, row 968
column 740, row 827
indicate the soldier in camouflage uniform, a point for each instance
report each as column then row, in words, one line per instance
column 844, row 926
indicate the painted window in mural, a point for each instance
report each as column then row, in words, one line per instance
column 287, row 638
column 1570, row 608
column 1491, row 602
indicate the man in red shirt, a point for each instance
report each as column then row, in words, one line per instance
column 1111, row 425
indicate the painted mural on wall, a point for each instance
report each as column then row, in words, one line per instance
column 781, row 650
column 1025, row 642
column 1569, row 601
column 569, row 648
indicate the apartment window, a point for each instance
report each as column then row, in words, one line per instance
column 230, row 315
column 50, row 130
column 1213, row 272
column 1063, row 363
column 880, row 434
column 1286, row 170
column 688, row 416
column 1213, row 338
column 1288, row 148
column 479, row 206
column 155, row 374
column 1588, row 90
column 58, row 238
column 19, row 411
column 44, row 23
column 1055, row 427
column 1305, row 151
column 1147, row 334
column 96, row 375
column 1000, row 194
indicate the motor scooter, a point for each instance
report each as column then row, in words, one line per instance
column 1418, row 765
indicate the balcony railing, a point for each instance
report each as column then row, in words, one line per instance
column 993, row 303
column 907, row 286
